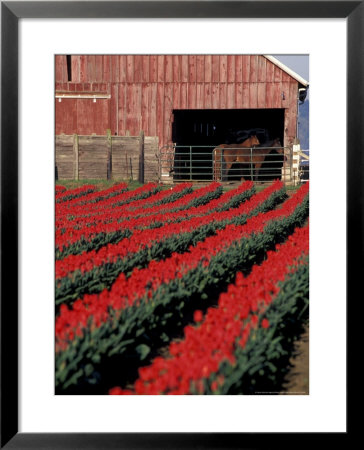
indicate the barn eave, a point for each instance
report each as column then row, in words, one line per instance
column 289, row 71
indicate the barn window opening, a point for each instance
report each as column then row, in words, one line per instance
column 197, row 132
column 69, row 67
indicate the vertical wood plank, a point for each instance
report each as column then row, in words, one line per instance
column 153, row 68
column 269, row 71
column 231, row 68
column 215, row 94
column 261, row 95
column 91, row 69
column 285, row 94
column 60, row 68
column 106, row 67
column 238, row 68
column 75, row 68
column 246, row 68
column 223, row 68
column 293, row 92
column 167, row 116
column 207, row 95
column 153, row 110
column 200, row 96
column 223, row 95
column 161, row 71
column 253, row 95
column 262, row 69
column 98, row 68
column 122, row 98
column 277, row 95
column 83, row 69
column 230, row 99
column 130, row 73
column 184, row 68
column 160, row 110
column 145, row 68
column 246, row 95
column 192, row 68
column 141, row 157
column 176, row 95
column 269, row 94
column 145, row 107
column 215, row 77
column 138, row 69
column 118, row 68
column 253, row 69
column 184, row 96
column 134, row 108
column 208, row 68
column 277, row 74
column 176, row 68
column 239, row 95
column 191, row 95
column 200, row 68
column 115, row 68
column 168, row 67
column 109, row 155
column 114, row 112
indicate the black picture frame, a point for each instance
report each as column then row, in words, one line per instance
column 11, row 12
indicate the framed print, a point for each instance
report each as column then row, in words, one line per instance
column 44, row 48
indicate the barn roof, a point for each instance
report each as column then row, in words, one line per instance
column 287, row 70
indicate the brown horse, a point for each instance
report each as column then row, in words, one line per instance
column 260, row 154
column 226, row 154
column 245, row 153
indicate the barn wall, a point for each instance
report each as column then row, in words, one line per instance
column 145, row 89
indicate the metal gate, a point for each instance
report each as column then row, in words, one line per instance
column 203, row 163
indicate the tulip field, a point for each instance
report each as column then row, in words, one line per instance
column 178, row 290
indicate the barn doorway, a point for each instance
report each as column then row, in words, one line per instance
column 197, row 132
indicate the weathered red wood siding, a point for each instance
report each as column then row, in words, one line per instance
column 144, row 90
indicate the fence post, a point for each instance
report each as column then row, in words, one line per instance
column 75, row 156
column 251, row 165
column 109, row 154
column 141, row 157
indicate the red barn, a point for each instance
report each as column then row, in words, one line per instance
column 181, row 99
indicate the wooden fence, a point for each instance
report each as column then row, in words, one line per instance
column 107, row 157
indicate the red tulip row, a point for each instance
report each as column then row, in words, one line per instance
column 142, row 283
column 59, row 189
column 137, row 207
column 193, row 363
column 123, row 198
column 143, row 238
column 86, row 273
column 93, row 197
column 74, row 193
column 200, row 196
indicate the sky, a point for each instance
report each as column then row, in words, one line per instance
column 298, row 63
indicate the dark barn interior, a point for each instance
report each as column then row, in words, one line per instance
column 197, row 132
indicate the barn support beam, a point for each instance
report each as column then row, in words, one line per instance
column 109, row 155
column 75, row 156
column 141, row 156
